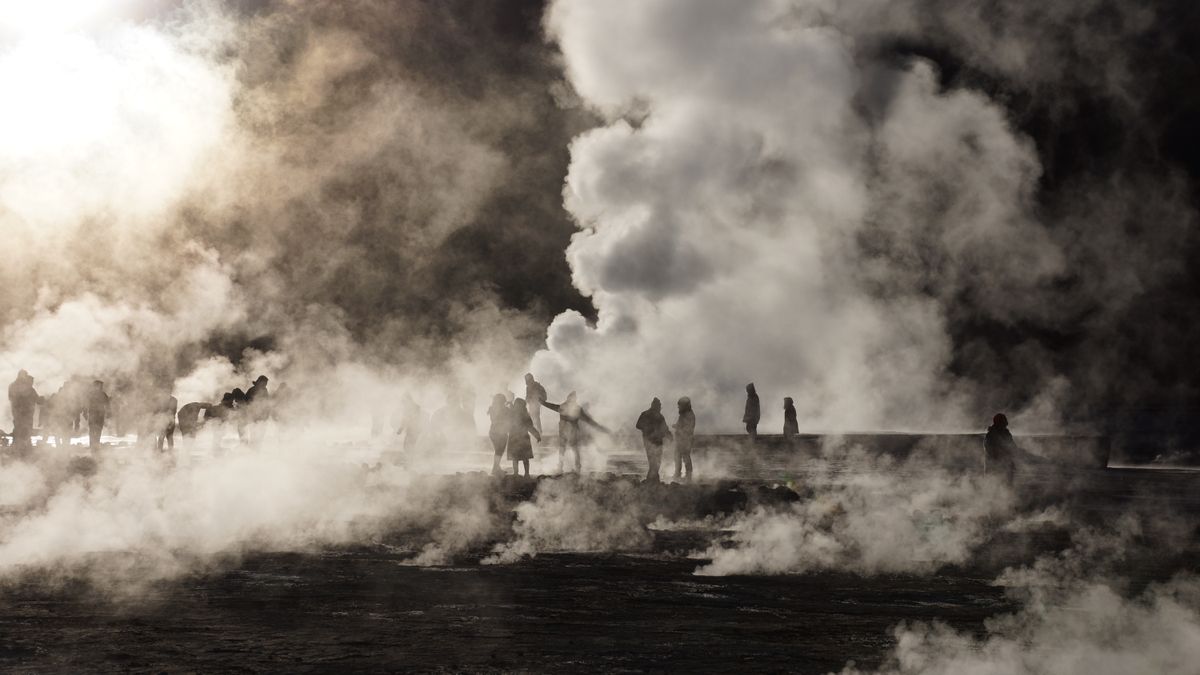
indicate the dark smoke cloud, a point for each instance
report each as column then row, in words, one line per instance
column 327, row 181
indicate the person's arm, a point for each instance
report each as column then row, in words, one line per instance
column 553, row 406
column 584, row 416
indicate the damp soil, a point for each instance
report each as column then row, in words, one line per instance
column 362, row 609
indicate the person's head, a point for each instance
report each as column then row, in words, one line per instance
column 750, row 388
column 528, row 378
column 518, row 403
column 97, row 384
column 999, row 420
column 262, row 379
column 656, row 405
column 498, row 400
column 787, row 402
column 226, row 397
column 23, row 375
column 571, row 397
column 685, row 404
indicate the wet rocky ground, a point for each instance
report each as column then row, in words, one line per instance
column 360, row 609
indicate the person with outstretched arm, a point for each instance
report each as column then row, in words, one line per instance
column 570, row 415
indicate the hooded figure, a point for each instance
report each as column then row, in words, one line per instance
column 535, row 396
column 790, row 426
column 1000, row 449
column 97, row 410
column 501, row 415
column 24, row 400
column 655, row 432
column 685, row 431
column 753, row 413
column 519, row 447
column 570, row 415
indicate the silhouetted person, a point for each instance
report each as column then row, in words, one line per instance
column 753, row 412
column 258, row 401
column 189, row 419
column 790, row 427
column 501, row 416
column 240, row 411
column 1000, row 449
column 535, row 396
column 655, row 432
column 411, row 422
column 56, row 418
column 685, row 432
column 570, row 415
column 97, row 410
column 519, row 447
column 164, row 422
column 24, row 400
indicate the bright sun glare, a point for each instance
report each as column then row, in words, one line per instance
column 20, row 18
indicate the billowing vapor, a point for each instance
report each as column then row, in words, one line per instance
column 782, row 194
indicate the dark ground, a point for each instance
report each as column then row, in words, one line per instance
column 361, row 609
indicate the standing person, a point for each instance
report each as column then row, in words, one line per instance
column 1000, row 449
column 240, row 410
column 790, row 426
column 97, row 409
column 570, row 415
column 535, row 396
column 258, row 406
column 164, row 423
column 655, row 432
column 56, row 421
column 258, row 399
column 519, row 447
column 24, row 400
column 753, row 413
column 685, row 432
column 501, row 416
column 411, row 421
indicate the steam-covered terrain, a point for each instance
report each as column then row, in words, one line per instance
column 832, row 554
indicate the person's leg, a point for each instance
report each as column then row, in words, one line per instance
column 562, row 450
column 95, row 426
column 656, row 450
column 578, row 457
column 687, row 462
column 679, row 450
column 516, row 471
column 171, row 436
column 526, row 463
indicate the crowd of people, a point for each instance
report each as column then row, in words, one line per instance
column 514, row 430
column 153, row 412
